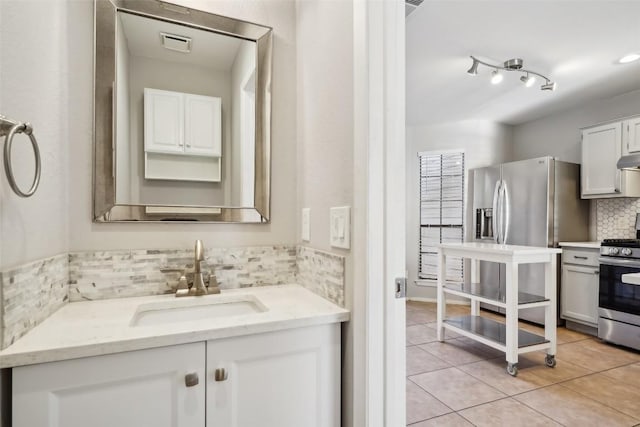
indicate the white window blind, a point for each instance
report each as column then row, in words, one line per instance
column 441, row 211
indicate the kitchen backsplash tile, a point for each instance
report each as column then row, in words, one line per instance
column 616, row 218
column 31, row 293
column 116, row 274
column 322, row 272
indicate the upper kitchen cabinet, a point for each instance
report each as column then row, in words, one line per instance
column 602, row 146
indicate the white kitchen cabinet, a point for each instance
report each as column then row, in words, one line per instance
column 631, row 136
column 287, row 378
column 281, row 379
column 140, row 388
column 602, row 146
column 580, row 284
column 182, row 123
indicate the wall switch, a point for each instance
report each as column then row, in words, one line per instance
column 306, row 212
column 340, row 227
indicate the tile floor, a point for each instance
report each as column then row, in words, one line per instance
column 464, row 383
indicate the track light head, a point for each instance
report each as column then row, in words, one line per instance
column 474, row 68
column 548, row 86
column 528, row 80
column 496, row 77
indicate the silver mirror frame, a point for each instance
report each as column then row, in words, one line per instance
column 104, row 207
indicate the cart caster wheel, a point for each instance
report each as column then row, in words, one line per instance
column 512, row 369
column 550, row 360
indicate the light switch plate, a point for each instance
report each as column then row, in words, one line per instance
column 340, row 227
column 306, row 213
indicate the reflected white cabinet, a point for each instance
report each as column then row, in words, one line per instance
column 579, row 286
column 280, row 379
column 182, row 123
column 287, row 378
column 139, row 388
column 602, row 146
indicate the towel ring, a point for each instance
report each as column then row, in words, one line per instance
column 9, row 128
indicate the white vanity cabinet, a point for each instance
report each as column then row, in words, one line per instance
column 138, row 388
column 281, row 379
column 288, row 378
column 602, row 146
column 580, row 283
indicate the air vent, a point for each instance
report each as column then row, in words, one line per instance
column 410, row 6
column 176, row 42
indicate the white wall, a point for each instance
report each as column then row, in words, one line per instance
column 484, row 143
column 325, row 134
column 558, row 135
column 84, row 235
column 34, row 87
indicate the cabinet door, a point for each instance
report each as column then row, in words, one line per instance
column 280, row 379
column 163, row 121
column 203, row 125
column 580, row 294
column 631, row 131
column 601, row 149
column 133, row 389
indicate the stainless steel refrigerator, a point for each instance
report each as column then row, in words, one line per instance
column 533, row 202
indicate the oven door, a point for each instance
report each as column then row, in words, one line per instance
column 614, row 294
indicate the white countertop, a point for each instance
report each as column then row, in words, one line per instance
column 93, row 328
column 495, row 248
column 631, row 278
column 588, row 245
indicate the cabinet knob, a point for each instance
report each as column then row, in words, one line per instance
column 191, row 379
column 221, row 374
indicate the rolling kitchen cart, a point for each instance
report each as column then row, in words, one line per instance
column 504, row 337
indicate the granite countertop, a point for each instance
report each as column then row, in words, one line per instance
column 588, row 245
column 92, row 328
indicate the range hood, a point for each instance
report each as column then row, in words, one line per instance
column 629, row 161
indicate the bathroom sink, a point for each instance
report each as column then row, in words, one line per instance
column 195, row 308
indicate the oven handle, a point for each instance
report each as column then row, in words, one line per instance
column 628, row 283
column 620, row 262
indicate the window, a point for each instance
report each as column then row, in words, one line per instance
column 441, row 211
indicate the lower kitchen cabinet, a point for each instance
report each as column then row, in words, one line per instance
column 288, row 378
column 579, row 287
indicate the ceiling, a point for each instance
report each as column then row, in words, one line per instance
column 574, row 43
column 209, row 50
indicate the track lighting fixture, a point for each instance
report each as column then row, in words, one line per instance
column 515, row 64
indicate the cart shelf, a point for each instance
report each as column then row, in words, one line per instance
column 489, row 295
column 491, row 330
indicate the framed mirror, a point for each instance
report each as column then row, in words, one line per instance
column 182, row 115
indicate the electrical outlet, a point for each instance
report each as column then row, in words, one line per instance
column 306, row 212
column 340, row 227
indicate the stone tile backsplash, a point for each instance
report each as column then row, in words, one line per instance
column 32, row 292
column 322, row 273
column 616, row 218
column 116, row 274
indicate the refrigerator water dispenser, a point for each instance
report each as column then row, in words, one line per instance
column 484, row 223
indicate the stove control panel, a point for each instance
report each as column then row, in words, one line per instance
column 620, row 252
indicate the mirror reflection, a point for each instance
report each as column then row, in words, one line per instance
column 184, row 117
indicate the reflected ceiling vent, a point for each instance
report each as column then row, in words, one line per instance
column 410, row 6
column 176, row 42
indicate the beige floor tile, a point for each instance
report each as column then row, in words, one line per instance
column 629, row 374
column 421, row 305
column 594, row 355
column 565, row 335
column 506, row 412
column 533, row 364
column 455, row 352
column 485, row 349
column 449, row 420
column 573, row 409
column 416, row 317
column 493, row 372
column 420, row 334
column 618, row 395
column 421, row 405
column 458, row 310
column 448, row 335
column 456, row 389
column 419, row 361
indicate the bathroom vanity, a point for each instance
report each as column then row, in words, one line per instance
column 258, row 356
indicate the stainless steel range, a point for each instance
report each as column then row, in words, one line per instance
column 619, row 301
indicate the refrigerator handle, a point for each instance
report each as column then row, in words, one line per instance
column 507, row 211
column 495, row 223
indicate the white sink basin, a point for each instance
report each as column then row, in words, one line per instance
column 196, row 308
